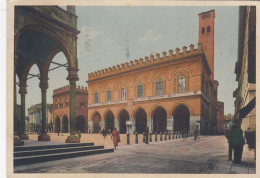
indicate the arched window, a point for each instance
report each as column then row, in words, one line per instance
column 96, row 97
column 203, row 30
column 123, row 93
column 159, row 86
column 108, row 95
column 181, row 83
column 139, row 90
column 208, row 28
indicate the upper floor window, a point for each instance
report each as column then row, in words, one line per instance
column 67, row 103
column 61, row 105
column 56, row 106
column 108, row 95
column 140, row 90
column 203, row 30
column 181, row 83
column 208, row 28
column 123, row 93
column 96, row 97
column 159, row 86
column 82, row 103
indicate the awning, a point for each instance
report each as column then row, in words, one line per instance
column 243, row 112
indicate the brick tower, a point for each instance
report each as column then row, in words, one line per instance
column 206, row 37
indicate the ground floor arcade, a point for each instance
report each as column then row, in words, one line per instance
column 158, row 115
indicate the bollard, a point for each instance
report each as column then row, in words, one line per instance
column 128, row 139
column 143, row 137
column 150, row 137
column 173, row 135
column 136, row 138
column 156, row 136
column 160, row 136
column 165, row 137
column 179, row 133
column 169, row 136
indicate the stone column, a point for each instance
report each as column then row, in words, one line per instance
column 44, row 86
column 90, row 125
column 73, row 77
column 117, row 125
column 133, row 125
column 17, row 141
column 23, row 92
column 102, row 124
column 169, row 123
column 149, row 123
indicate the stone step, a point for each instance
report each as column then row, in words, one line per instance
column 55, row 150
column 29, row 148
column 57, row 156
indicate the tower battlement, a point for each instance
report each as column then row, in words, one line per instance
column 67, row 89
column 147, row 61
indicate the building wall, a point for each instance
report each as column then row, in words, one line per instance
column 246, row 90
column 199, row 96
column 61, row 107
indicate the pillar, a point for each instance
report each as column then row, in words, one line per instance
column 117, row 125
column 44, row 86
column 149, row 123
column 169, row 121
column 73, row 77
column 23, row 92
column 133, row 125
column 17, row 141
column 90, row 126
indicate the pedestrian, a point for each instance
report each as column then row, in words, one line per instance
column 116, row 137
column 58, row 131
column 146, row 134
column 237, row 141
column 196, row 132
column 229, row 145
column 79, row 134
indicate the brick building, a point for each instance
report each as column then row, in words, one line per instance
column 169, row 92
column 61, row 109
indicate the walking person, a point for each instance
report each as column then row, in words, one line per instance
column 196, row 132
column 116, row 137
column 237, row 141
column 58, row 131
column 229, row 145
column 146, row 135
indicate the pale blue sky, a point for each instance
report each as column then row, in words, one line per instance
column 104, row 31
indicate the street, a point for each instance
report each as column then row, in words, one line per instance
column 206, row 155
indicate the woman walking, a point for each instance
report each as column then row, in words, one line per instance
column 116, row 137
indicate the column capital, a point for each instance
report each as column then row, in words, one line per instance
column 23, row 89
column 73, row 76
column 44, row 83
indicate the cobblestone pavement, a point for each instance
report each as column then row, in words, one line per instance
column 207, row 155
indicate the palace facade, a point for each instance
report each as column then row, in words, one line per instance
column 168, row 92
column 61, row 109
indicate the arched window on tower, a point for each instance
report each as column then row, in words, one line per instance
column 159, row 86
column 139, row 90
column 208, row 29
column 203, row 30
column 181, row 83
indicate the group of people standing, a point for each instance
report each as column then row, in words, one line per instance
column 236, row 142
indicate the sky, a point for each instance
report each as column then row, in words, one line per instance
column 104, row 32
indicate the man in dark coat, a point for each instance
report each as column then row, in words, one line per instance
column 237, row 141
column 229, row 145
column 146, row 134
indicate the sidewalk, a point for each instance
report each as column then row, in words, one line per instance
column 224, row 166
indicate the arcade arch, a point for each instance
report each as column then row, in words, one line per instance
column 181, row 117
